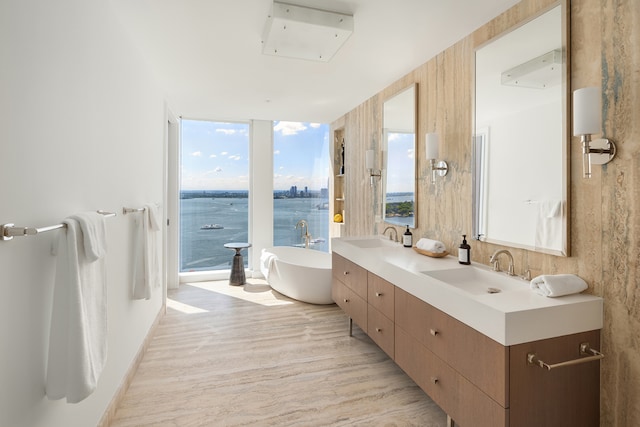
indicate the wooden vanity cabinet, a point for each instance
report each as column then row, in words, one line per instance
column 349, row 289
column 479, row 358
column 565, row 396
column 380, row 313
column 477, row 381
column 462, row 370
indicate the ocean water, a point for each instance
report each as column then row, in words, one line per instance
column 203, row 249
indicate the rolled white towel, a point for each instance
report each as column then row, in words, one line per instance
column 431, row 245
column 558, row 285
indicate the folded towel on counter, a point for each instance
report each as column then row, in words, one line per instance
column 78, row 335
column 431, row 245
column 558, row 285
column 266, row 259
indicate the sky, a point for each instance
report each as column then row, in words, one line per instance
column 215, row 155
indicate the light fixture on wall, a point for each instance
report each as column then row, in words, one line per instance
column 587, row 121
column 304, row 32
column 370, row 161
column 438, row 167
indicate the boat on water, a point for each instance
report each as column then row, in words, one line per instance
column 211, row 227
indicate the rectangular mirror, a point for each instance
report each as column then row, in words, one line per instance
column 399, row 159
column 520, row 144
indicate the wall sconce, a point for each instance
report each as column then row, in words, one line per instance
column 369, row 162
column 439, row 167
column 587, row 120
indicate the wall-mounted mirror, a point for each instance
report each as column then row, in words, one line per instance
column 520, row 151
column 399, row 159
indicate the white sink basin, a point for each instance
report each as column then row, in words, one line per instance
column 372, row 243
column 477, row 281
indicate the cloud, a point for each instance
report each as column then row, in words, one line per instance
column 196, row 153
column 411, row 153
column 227, row 131
column 235, row 157
column 289, row 128
column 276, row 152
column 315, row 125
column 281, row 168
column 224, row 153
column 218, row 169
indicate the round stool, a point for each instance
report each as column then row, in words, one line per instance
column 237, row 268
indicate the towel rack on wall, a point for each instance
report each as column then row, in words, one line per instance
column 9, row 231
column 132, row 210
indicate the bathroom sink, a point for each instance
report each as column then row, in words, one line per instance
column 477, row 281
column 372, row 243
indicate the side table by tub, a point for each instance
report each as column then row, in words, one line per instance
column 237, row 277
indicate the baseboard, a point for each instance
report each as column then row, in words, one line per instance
column 110, row 412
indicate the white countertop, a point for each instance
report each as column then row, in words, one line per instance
column 510, row 317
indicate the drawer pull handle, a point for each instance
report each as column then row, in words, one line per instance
column 585, row 350
column 346, row 300
column 435, row 380
column 378, row 329
column 345, row 273
column 434, row 332
column 378, row 294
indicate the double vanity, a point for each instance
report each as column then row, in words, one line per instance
column 487, row 349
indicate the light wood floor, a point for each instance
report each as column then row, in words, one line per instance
column 248, row 356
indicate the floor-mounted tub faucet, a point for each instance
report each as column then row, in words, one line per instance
column 306, row 236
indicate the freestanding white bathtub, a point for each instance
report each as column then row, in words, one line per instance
column 301, row 274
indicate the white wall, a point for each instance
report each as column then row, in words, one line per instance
column 81, row 129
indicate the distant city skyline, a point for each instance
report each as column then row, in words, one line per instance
column 215, row 155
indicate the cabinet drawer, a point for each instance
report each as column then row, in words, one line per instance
column 458, row 397
column 478, row 358
column 381, row 330
column 350, row 274
column 353, row 306
column 381, row 295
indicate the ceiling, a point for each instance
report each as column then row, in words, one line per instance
column 207, row 53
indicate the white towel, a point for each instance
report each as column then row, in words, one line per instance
column 549, row 225
column 558, row 285
column 431, row 245
column 78, row 337
column 266, row 259
column 146, row 267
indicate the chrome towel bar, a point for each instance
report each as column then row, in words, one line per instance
column 9, row 231
column 132, row 210
column 585, row 350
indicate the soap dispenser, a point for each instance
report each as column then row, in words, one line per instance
column 407, row 238
column 464, row 252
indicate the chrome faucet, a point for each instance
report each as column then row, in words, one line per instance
column 496, row 265
column 395, row 232
column 306, row 236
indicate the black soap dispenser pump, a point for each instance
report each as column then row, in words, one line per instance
column 464, row 252
column 407, row 238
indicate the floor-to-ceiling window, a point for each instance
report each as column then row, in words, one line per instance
column 300, row 182
column 225, row 197
column 214, row 191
